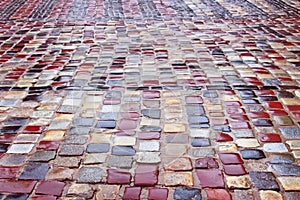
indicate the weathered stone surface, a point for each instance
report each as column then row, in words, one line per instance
column 178, row 164
column 242, row 182
column 81, row 190
column 60, row 173
column 290, row 183
column 187, row 193
column 107, row 192
column 89, row 175
column 264, row 180
column 178, row 178
column 35, row 171
column 120, row 161
column 148, row 157
column 269, row 194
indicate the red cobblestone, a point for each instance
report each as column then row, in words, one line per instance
column 132, row 193
column 16, row 186
column 146, row 175
column 50, row 187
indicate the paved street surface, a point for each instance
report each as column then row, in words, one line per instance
column 150, row 99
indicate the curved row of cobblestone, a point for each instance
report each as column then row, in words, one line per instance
column 99, row 10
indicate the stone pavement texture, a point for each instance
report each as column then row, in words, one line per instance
column 150, row 99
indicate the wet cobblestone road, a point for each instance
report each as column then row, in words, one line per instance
column 173, row 99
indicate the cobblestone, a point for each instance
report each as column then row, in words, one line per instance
column 173, row 99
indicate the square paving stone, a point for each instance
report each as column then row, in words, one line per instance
column 43, row 156
column 206, row 163
column 110, row 124
column 290, row 132
column 71, row 150
column 12, row 160
column 148, row 157
column 252, row 154
column 3, row 148
column 123, row 151
column 118, row 176
column 151, row 113
column 59, row 125
column 132, row 193
column 67, row 109
column 211, row 178
column 230, row 158
column 264, row 180
column 238, row 182
column 281, row 159
column 290, row 183
column 275, row 147
column 90, row 175
column 146, row 175
column 108, row 116
column 120, row 161
column 76, row 139
column 151, row 128
column 8, row 102
column 50, row 188
column 127, row 124
column 178, row 178
column 35, row 171
column 10, row 129
column 218, row 194
column 195, row 110
column 81, row 191
column 9, row 172
column 234, row 170
column 27, row 138
column 14, row 121
column 200, row 142
column 158, row 193
column 198, row 119
column 95, row 158
column 286, row 169
column 203, row 152
column 124, row 141
column 149, row 146
column 79, row 130
column 242, row 194
column 16, row 197
column 182, row 193
column 263, row 122
column 20, row 148
column 292, row 195
column 83, row 122
column 16, row 186
column 98, row 148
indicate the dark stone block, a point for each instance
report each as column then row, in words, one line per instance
column 151, row 113
column 110, row 124
column 182, row 193
column 195, row 110
column 281, row 159
column 286, row 169
column 83, row 122
column 198, row 120
column 290, row 132
column 252, row 154
column 35, row 171
column 151, row 128
column 123, row 151
column 264, row 180
column 263, row 122
column 98, row 148
column 200, row 142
